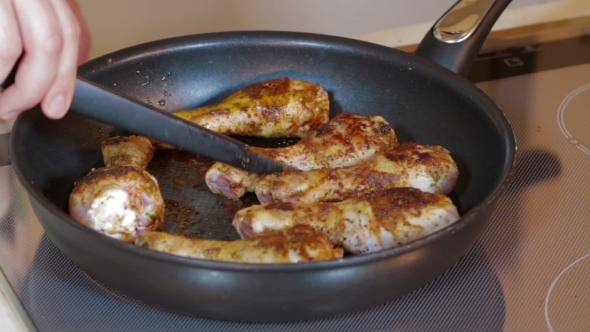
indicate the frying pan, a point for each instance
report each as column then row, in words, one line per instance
column 424, row 101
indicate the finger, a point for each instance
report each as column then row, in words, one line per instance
column 10, row 42
column 60, row 94
column 85, row 37
column 40, row 33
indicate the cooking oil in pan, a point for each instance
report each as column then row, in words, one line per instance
column 191, row 208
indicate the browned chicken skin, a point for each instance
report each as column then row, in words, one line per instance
column 428, row 168
column 134, row 151
column 121, row 200
column 360, row 225
column 294, row 245
column 275, row 108
column 347, row 139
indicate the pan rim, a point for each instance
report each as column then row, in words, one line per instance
column 433, row 69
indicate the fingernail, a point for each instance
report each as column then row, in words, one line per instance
column 57, row 107
column 8, row 116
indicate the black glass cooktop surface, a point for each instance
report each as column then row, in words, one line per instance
column 529, row 271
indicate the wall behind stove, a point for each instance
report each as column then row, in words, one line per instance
column 120, row 23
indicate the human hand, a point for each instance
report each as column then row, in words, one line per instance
column 53, row 39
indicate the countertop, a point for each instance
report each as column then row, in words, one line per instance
column 9, row 317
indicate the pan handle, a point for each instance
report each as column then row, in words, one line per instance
column 456, row 38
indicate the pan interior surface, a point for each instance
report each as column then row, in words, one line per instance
column 423, row 103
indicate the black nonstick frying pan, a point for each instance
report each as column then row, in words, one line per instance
column 424, row 102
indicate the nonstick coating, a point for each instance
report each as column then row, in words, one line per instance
column 424, row 102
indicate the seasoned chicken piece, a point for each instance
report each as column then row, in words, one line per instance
column 127, row 151
column 121, row 200
column 347, row 139
column 295, row 245
column 274, row 108
column 428, row 168
column 359, row 225
column 229, row 181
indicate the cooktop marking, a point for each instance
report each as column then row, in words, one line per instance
column 561, row 117
column 555, row 281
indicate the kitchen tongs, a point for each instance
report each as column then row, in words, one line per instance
column 102, row 104
column 99, row 103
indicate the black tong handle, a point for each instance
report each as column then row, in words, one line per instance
column 107, row 106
